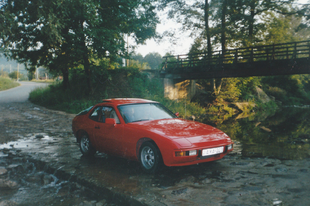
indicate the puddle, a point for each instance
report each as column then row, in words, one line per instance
column 30, row 141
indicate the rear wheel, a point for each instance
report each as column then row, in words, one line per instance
column 85, row 146
column 150, row 157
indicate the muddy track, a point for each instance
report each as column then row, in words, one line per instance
column 24, row 119
column 27, row 181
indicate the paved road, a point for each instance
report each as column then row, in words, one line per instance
column 20, row 93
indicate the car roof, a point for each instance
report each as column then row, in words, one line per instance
column 119, row 101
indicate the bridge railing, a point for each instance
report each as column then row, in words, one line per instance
column 293, row 50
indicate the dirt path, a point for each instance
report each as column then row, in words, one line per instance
column 25, row 119
column 22, row 182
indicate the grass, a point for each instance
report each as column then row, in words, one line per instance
column 43, row 81
column 7, row 83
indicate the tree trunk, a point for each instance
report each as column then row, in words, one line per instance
column 223, row 35
column 251, row 22
column 87, row 73
column 85, row 52
column 208, row 29
column 214, row 85
column 65, row 75
column 217, row 88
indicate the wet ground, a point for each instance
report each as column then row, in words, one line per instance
column 43, row 166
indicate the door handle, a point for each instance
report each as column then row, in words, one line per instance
column 97, row 127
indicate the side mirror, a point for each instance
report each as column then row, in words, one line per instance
column 177, row 114
column 110, row 121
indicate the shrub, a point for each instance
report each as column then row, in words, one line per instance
column 7, row 83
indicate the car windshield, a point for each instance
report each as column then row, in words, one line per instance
column 144, row 112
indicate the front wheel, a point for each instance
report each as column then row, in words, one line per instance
column 85, row 146
column 150, row 157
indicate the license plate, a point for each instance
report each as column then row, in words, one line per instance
column 212, row 151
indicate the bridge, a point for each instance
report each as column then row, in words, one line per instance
column 266, row 60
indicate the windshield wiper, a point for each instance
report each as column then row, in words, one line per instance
column 140, row 120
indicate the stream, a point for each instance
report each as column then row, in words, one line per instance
column 284, row 135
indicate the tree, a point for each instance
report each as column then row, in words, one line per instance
column 249, row 13
column 154, row 60
column 65, row 33
column 138, row 57
column 17, row 75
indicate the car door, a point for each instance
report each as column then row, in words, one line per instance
column 92, row 125
column 109, row 136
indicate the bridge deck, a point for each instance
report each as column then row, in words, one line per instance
column 277, row 59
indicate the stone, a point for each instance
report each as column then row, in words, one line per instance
column 8, row 184
column 39, row 136
column 3, row 171
column 179, row 191
column 7, row 203
column 48, row 179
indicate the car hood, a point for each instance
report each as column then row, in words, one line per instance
column 184, row 132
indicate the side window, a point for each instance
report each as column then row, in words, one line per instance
column 109, row 112
column 95, row 115
column 101, row 113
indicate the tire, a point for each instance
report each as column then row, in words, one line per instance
column 150, row 157
column 85, row 146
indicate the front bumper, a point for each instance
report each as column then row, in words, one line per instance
column 197, row 159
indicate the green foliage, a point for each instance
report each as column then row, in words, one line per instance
column 54, row 97
column 7, row 83
column 138, row 64
column 229, row 90
column 247, row 86
column 280, row 29
column 152, row 60
column 185, row 108
column 289, row 89
column 20, row 76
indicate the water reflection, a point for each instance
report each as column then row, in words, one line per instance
column 283, row 135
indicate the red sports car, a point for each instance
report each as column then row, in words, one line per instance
column 146, row 131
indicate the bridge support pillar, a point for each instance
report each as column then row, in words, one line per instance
column 181, row 90
column 170, row 91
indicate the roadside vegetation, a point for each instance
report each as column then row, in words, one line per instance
column 43, row 80
column 7, row 83
column 122, row 82
column 130, row 82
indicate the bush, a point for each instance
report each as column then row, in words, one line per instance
column 7, row 83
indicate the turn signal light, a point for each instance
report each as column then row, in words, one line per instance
column 186, row 153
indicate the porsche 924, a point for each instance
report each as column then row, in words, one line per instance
column 147, row 132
